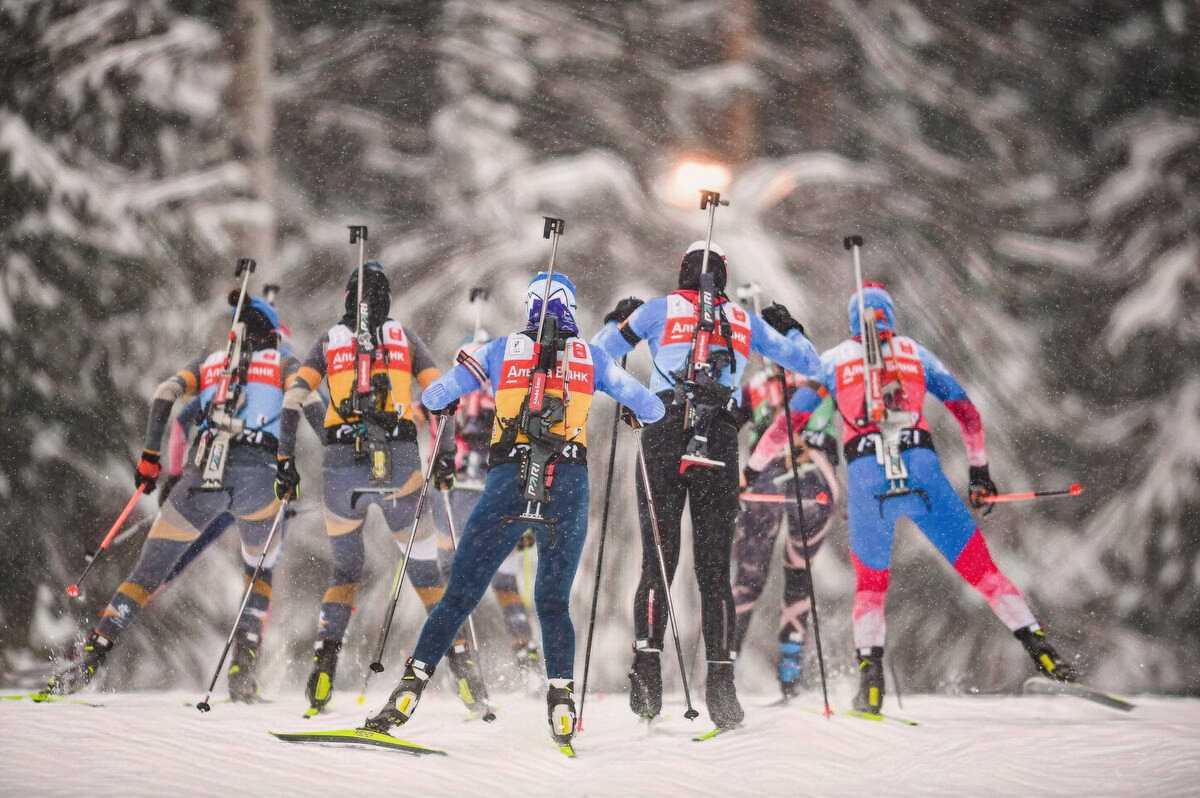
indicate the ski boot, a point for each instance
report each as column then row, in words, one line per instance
column 870, row 685
column 320, row 682
column 84, row 661
column 560, row 711
column 645, row 684
column 402, row 703
column 468, row 681
column 720, row 695
column 1045, row 657
column 242, row 686
column 791, row 668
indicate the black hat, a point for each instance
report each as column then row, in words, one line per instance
column 377, row 293
column 693, row 260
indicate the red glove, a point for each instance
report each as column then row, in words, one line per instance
column 148, row 469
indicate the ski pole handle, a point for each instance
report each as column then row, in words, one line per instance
column 1030, row 495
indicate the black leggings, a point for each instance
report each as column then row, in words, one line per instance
column 714, row 506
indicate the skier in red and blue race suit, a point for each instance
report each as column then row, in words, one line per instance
column 493, row 528
column 667, row 324
column 932, row 504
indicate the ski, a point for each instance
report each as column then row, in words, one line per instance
column 708, row 735
column 358, row 738
column 1040, row 685
column 854, row 713
column 46, row 698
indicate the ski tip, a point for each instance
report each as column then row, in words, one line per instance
column 309, row 713
column 73, row 591
column 567, row 750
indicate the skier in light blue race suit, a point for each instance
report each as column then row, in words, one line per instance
column 667, row 324
column 931, row 503
column 490, row 533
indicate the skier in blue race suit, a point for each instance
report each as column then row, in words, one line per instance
column 491, row 531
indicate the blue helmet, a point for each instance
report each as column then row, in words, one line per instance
column 876, row 298
column 561, row 304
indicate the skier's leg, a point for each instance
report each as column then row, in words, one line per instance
column 485, row 541
column 814, row 521
column 872, row 531
column 714, row 506
column 663, row 443
column 953, row 531
column 181, row 518
column 558, row 560
column 179, row 522
column 211, row 534
column 255, row 507
column 663, row 446
column 508, row 593
column 757, row 528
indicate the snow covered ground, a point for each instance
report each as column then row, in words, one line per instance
column 158, row 744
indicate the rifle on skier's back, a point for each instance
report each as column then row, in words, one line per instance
column 539, row 411
column 362, row 403
column 702, row 384
column 883, row 394
column 221, row 421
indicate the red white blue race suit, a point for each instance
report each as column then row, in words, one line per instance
column 944, row 518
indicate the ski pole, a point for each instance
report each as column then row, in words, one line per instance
column 812, row 590
column 691, row 713
column 488, row 715
column 821, row 498
column 377, row 663
column 204, row 706
column 1074, row 490
column 73, row 588
column 612, row 464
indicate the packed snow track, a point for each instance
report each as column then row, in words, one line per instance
column 158, row 744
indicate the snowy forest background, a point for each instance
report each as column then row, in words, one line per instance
column 1026, row 176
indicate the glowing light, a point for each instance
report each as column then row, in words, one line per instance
column 690, row 176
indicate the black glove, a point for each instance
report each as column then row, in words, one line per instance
column 623, row 310
column 629, row 418
column 287, row 479
column 443, row 470
column 778, row 317
column 750, row 474
column 981, row 485
column 147, row 471
column 448, row 410
column 167, row 487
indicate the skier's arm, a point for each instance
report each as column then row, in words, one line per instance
column 794, row 352
column 177, row 444
column 469, row 375
column 775, row 438
column 182, row 383
column 423, row 367
column 943, row 385
column 617, row 339
column 616, row 382
column 297, row 389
